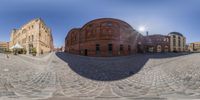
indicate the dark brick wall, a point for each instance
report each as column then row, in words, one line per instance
column 103, row 32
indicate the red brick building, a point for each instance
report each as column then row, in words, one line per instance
column 157, row 43
column 104, row 37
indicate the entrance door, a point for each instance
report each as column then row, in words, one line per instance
column 85, row 53
column 30, row 48
column 41, row 51
column 110, row 49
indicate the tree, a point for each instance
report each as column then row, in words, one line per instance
column 34, row 52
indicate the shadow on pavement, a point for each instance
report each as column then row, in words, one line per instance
column 112, row 68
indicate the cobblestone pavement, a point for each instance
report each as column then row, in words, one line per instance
column 64, row 76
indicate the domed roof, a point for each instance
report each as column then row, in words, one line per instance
column 100, row 20
column 176, row 33
column 105, row 28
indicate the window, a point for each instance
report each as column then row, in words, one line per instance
column 24, row 31
column 179, row 42
column 164, row 39
column 29, row 38
column 167, row 39
column 121, row 47
column 174, row 42
column 149, row 40
column 129, row 48
column 32, row 38
column 75, row 37
column 150, row 49
column 97, row 49
column 109, row 47
column 174, row 36
column 166, row 48
column 159, row 48
column 109, row 24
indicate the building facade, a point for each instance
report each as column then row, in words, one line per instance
column 194, row 47
column 34, row 34
column 157, row 43
column 104, row 37
column 177, row 42
column 4, row 46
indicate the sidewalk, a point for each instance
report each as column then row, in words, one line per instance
column 44, row 57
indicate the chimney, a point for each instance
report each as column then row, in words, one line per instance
column 147, row 33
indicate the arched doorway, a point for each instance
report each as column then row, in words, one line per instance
column 166, row 49
column 159, row 49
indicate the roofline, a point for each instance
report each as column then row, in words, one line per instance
column 176, row 33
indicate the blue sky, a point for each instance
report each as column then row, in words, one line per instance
column 159, row 16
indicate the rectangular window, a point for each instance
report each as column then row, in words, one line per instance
column 109, row 23
column 32, row 37
column 97, row 49
column 109, row 47
column 179, row 43
column 174, row 42
column 75, row 37
column 129, row 48
column 121, row 47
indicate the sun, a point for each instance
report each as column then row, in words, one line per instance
column 142, row 28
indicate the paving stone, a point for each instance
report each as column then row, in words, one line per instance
column 142, row 76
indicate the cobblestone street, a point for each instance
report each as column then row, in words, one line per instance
column 62, row 76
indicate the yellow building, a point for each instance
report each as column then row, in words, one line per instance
column 194, row 47
column 177, row 42
column 4, row 46
column 34, row 34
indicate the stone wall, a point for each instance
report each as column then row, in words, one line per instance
column 34, row 34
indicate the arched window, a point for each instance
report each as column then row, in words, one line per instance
column 166, row 48
column 159, row 49
column 24, row 31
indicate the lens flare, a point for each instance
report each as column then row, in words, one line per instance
column 142, row 28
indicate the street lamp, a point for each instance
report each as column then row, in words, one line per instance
column 143, row 29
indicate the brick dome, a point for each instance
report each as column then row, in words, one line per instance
column 101, row 36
